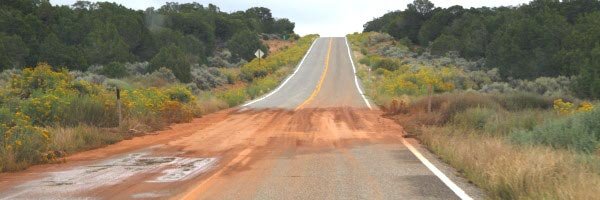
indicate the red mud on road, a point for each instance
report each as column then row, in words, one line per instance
column 197, row 159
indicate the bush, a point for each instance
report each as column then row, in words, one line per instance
column 223, row 59
column 180, row 93
column 389, row 64
column 233, row 97
column 137, row 69
column 175, row 59
column 261, row 86
column 461, row 102
column 207, row 77
column 232, row 75
column 114, row 70
column 473, row 117
column 162, row 77
column 443, row 44
column 243, row 45
column 547, row 86
column 523, row 100
column 503, row 123
column 580, row 132
column 175, row 112
column 21, row 142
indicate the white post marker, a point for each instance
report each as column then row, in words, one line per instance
column 259, row 54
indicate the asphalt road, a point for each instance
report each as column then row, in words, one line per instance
column 315, row 137
column 325, row 78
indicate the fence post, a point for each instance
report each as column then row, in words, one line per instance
column 430, row 92
column 119, row 106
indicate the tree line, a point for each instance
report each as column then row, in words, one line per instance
column 85, row 33
column 541, row 38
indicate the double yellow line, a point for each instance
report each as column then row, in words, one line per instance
column 320, row 84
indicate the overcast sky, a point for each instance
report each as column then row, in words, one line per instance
column 325, row 17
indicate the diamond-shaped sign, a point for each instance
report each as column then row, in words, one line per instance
column 259, row 53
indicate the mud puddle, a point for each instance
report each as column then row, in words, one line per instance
column 72, row 182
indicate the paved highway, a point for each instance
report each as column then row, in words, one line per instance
column 324, row 79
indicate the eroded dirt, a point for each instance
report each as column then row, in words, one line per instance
column 198, row 159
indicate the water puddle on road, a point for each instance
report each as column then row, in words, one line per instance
column 66, row 184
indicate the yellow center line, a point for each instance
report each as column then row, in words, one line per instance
column 323, row 75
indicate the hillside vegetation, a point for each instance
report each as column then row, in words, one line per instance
column 174, row 36
column 514, row 138
column 539, row 39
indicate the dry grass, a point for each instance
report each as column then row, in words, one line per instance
column 82, row 137
column 507, row 171
column 472, row 133
column 207, row 104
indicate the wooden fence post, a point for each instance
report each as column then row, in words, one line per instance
column 430, row 92
column 119, row 106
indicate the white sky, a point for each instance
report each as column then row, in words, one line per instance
column 325, row 17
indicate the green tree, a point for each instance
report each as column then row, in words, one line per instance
column 264, row 19
column 587, row 84
column 57, row 54
column 175, row 59
column 443, row 44
column 190, row 24
column 104, row 45
column 528, row 46
column 188, row 43
column 114, row 70
column 12, row 51
column 244, row 44
column 423, row 7
column 103, row 32
column 581, row 55
column 225, row 28
column 433, row 27
column 283, row 26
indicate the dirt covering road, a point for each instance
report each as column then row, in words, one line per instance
column 327, row 145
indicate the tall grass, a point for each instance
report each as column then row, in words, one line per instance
column 82, row 137
column 511, row 146
column 508, row 171
column 91, row 111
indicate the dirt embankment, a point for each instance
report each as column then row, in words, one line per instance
column 277, row 45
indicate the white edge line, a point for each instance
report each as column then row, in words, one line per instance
column 457, row 190
column 355, row 76
column 286, row 80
